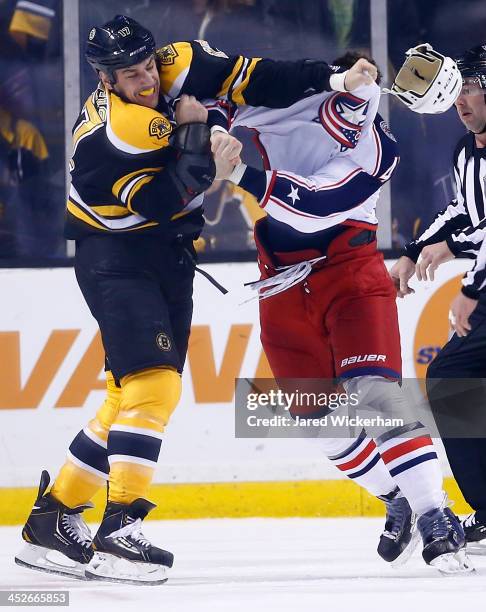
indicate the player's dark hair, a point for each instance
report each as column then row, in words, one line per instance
column 351, row 57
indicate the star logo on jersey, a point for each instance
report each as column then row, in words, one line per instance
column 167, row 55
column 294, row 194
column 342, row 115
column 354, row 115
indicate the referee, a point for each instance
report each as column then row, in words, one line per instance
column 456, row 379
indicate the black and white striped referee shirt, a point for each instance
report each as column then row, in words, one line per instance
column 463, row 223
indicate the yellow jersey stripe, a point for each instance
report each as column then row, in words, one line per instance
column 237, row 92
column 83, row 216
column 93, row 121
column 181, row 214
column 232, row 77
column 122, row 182
column 126, row 223
column 138, row 185
column 110, row 210
column 80, row 214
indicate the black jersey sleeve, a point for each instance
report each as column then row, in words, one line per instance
column 197, row 69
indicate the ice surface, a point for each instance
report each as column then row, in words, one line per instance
column 257, row 565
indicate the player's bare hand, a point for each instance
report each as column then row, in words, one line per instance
column 400, row 274
column 223, row 167
column 189, row 110
column 462, row 308
column 431, row 258
column 361, row 73
column 226, row 146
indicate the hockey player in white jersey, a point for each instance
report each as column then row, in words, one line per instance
column 327, row 306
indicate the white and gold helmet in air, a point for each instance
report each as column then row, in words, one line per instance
column 428, row 82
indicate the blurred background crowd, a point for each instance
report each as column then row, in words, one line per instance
column 34, row 40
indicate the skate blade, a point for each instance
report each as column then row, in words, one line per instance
column 104, row 566
column 476, row 548
column 50, row 561
column 405, row 555
column 453, row 563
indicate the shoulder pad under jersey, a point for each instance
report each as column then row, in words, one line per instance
column 135, row 129
column 174, row 64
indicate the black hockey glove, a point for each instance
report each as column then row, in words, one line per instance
column 194, row 169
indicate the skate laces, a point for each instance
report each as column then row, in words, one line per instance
column 287, row 278
column 133, row 530
column 470, row 521
column 397, row 510
column 77, row 529
column 439, row 525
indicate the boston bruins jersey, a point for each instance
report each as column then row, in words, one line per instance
column 120, row 149
column 195, row 68
column 117, row 172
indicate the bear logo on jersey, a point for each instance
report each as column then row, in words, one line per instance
column 167, row 55
column 159, row 127
column 342, row 115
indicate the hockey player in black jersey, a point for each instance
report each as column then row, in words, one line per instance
column 134, row 208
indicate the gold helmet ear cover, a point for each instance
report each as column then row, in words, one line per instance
column 417, row 74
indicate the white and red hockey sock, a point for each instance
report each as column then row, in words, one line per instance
column 360, row 461
column 413, row 464
column 407, row 450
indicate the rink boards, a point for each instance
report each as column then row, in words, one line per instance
column 51, row 383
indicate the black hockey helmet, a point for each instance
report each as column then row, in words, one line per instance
column 118, row 43
column 472, row 65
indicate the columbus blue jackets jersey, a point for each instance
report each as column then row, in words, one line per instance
column 327, row 157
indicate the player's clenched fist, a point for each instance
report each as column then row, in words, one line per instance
column 361, row 73
column 225, row 146
column 189, row 110
column 226, row 150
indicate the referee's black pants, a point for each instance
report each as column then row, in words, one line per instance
column 456, row 389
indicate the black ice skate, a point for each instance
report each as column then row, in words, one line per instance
column 400, row 537
column 122, row 553
column 475, row 532
column 444, row 541
column 57, row 539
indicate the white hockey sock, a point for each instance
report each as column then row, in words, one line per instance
column 414, row 465
column 360, row 461
column 407, row 451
